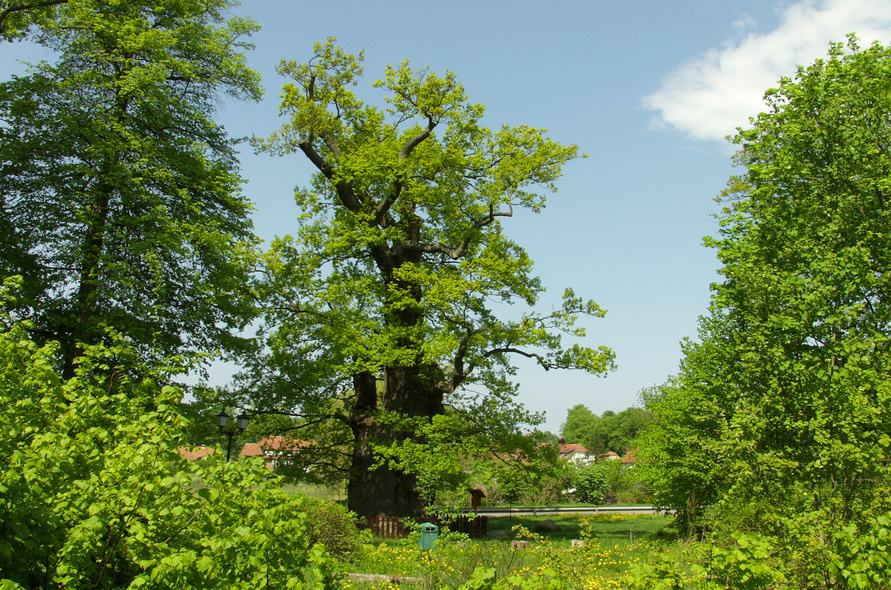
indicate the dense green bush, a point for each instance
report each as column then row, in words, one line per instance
column 591, row 484
column 93, row 492
column 330, row 524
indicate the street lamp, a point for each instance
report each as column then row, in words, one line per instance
column 241, row 421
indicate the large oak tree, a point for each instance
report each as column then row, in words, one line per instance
column 381, row 308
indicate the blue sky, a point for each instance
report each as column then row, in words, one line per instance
column 648, row 89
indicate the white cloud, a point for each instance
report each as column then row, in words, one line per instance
column 745, row 21
column 708, row 98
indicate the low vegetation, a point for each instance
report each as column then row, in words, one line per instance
column 578, row 552
column 94, row 494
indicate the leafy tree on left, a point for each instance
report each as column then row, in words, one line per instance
column 119, row 195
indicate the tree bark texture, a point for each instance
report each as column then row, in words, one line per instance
column 381, row 490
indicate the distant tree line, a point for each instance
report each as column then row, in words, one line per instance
column 602, row 434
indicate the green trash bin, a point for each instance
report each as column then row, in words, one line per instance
column 429, row 532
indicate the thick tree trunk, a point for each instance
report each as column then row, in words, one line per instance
column 381, row 491
column 384, row 491
column 412, row 391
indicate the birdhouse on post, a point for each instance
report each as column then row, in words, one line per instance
column 476, row 498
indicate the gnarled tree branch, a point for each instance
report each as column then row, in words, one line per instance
column 29, row 6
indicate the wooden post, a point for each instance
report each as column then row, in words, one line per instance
column 476, row 499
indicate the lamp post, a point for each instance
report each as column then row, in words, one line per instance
column 241, row 421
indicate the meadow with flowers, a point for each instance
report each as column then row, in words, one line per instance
column 606, row 547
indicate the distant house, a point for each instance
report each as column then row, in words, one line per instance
column 576, row 453
column 610, row 456
column 628, row 460
column 195, row 453
column 274, row 450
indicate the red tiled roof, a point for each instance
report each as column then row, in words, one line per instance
column 195, row 453
column 572, row 448
column 272, row 445
column 569, row 451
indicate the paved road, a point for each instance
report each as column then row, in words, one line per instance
column 536, row 511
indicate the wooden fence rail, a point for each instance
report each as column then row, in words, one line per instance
column 391, row 527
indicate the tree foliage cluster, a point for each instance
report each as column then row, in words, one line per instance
column 120, row 200
column 621, row 483
column 775, row 437
column 378, row 310
column 94, row 493
column 591, row 485
column 121, row 209
column 601, row 434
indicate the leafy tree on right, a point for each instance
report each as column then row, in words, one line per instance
column 779, row 417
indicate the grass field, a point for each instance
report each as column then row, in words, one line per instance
column 612, row 544
column 605, row 527
column 319, row 492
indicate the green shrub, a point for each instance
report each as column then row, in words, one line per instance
column 330, row 524
column 591, row 485
column 94, row 493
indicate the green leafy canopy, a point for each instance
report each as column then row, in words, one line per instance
column 121, row 202
column 399, row 268
column 400, row 247
column 778, row 422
